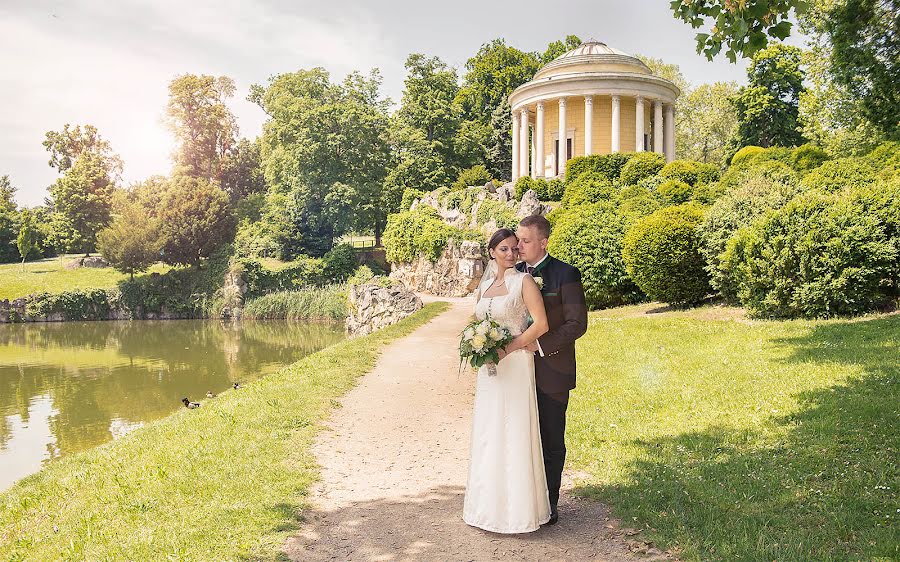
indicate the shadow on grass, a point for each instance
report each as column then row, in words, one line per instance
column 819, row 484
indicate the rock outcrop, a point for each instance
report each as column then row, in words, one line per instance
column 455, row 274
column 373, row 307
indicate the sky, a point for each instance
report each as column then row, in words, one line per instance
column 109, row 63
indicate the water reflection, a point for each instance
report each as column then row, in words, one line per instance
column 66, row 387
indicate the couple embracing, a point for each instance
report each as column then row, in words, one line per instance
column 518, row 424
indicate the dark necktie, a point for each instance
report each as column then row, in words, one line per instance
column 529, row 270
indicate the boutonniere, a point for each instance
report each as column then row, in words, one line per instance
column 540, row 282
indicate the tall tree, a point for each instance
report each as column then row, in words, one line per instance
column 242, row 173
column 558, row 48
column 706, row 122
column 81, row 201
column 202, row 123
column 499, row 150
column 491, row 76
column 767, row 107
column 9, row 221
column 324, row 149
column 66, row 146
column 194, row 220
column 26, row 242
column 131, row 243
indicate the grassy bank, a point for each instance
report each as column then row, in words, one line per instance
column 325, row 303
column 51, row 276
column 224, row 482
column 739, row 440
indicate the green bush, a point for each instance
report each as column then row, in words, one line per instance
column 886, row 156
column 493, row 210
column 807, row 157
column 662, row 255
column 637, row 201
column 255, row 240
column 843, row 173
column 409, row 195
column 421, row 232
column 607, row 166
column 454, row 199
column 819, row 256
column 590, row 238
column 304, row 271
column 339, row 263
column 745, row 154
column 642, row 165
column 690, row 172
column 771, row 169
column 546, row 190
column 90, row 304
column 737, row 209
column 589, row 187
column 475, row 176
column 675, row 192
column 366, row 275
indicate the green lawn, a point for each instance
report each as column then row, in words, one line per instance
column 738, row 440
column 224, row 482
column 50, row 276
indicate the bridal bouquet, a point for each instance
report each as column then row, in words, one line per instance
column 481, row 342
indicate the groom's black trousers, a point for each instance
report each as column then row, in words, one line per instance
column 552, row 419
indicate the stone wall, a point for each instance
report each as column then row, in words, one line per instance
column 373, row 307
column 455, row 274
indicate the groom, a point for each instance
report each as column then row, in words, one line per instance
column 554, row 366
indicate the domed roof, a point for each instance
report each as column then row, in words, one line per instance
column 593, row 56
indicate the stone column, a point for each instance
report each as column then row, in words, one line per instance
column 515, row 147
column 533, row 155
column 615, row 124
column 588, row 125
column 561, row 154
column 523, row 142
column 639, row 124
column 657, row 127
column 670, row 132
column 539, row 140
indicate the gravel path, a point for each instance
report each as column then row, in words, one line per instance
column 393, row 464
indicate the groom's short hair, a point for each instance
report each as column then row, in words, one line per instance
column 538, row 222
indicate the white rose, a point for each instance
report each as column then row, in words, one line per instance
column 483, row 328
column 494, row 334
column 478, row 342
column 467, row 335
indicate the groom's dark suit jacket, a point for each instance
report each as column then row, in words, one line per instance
column 567, row 316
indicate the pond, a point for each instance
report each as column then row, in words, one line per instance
column 70, row 386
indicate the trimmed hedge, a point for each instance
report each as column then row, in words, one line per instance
column 590, row 238
column 493, row 210
column 607, row 166
column 843, row 173
column 675, row 192
column 737, row 209
column 475, row 176
column 690, row 172
column 819, row 256
column 662, row 255
column 640, row 166
column 546, row 190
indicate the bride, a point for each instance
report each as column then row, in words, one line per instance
column 507, row 486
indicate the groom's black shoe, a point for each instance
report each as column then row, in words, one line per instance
column 554, row 516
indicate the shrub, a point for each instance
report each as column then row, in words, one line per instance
column 525, row 183
column 304, row 271
column 90, row 304
column 885, row 156
column 641, row 165
column 636, row 201
column 421, row 233
column 339, row 263
column 689, row 172
column 734, row 210
column 807, row 157
column 493, row 210
column 546, row 190
column 454, row 199
column 589, row 188
column 770, row 169
column 662, row 255
column 745, row 154
column 409, row 196
column 476, row 176
column 255, row 240
column 675, row 192
column 817, row 257
column 590, row 238
column 366, row 275
column 834, row 175
column 607, row 166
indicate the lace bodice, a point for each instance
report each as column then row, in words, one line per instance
column 508, row 310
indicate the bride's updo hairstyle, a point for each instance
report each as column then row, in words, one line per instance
column 498, row 237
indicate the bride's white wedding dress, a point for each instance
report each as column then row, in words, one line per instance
column 507, row 486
